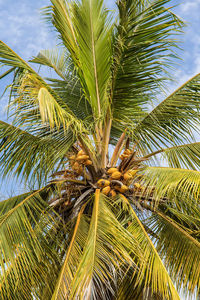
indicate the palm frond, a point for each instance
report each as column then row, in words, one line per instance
column 26, row 228
column 184, row 156
column 72, row 257
column 144, row 43
column 34, row 98
column 85, row 30
column 55, row 59
column 68, row 87
column 60, row 16
column 184, row 215
column 71, row 92
column 152, row 271
column 103, row 254
column 7, row 72
column 30, row 90
column 174, row 120
column 31, row 156
column 171, row 184
column 93, row 34
column 10, row 58
column 176, row 246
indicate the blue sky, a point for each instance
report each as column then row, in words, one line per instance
column 23, row 30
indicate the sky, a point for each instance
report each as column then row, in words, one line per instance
column 22, row 28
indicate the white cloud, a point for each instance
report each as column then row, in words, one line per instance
column 190, row 6
column 21, row 27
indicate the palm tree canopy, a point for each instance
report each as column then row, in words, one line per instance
column 114, row 209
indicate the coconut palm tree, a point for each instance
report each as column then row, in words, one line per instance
column 113, row 212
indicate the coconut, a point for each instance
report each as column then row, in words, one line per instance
column 81, row 152
column 88, row 162
column 123, row 189
column 82, row 157
column 106, row 190
column 103, row 183
column 116, row 175
column 127, row 176
column 112, row 170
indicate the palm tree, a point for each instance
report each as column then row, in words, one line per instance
column 113, row 212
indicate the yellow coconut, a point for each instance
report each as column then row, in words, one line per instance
column 81, row 152
column 123, row 189
column 103, row 183
column 116, row 175
column 88, row 162
column 106, row 190
column 112, row 170
column 113, row 193
column 82, row 157
column 122, row 157
column 127, row 176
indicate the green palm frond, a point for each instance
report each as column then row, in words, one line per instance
column 93, row 34
column 36, row 100
column 30, row 89
column 7, row 72
column 55, row 59
column 184, row 156
column 186, row 216
column 71, row 91
column 105, row 243
column 9, row 58
column 171, row 184
column 26, row 229
column 68, row 87
column 144, row 45
column 128, row 290
column 31, row 156
column 60, row 15
column 176, row 246
column 72, row 257
column 152, row 271
column 85, row 30
column 173, row 120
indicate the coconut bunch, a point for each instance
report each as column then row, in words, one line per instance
column 79, row 179
column 126, row 154
column 78, row 161
column 115, row 182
